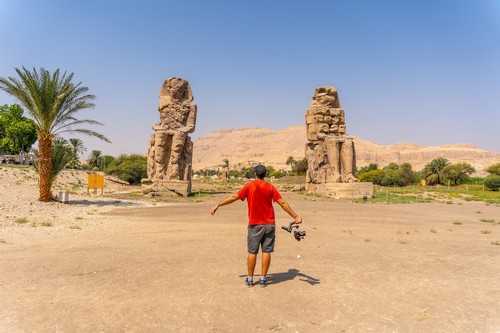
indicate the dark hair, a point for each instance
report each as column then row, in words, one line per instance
column 260, row 171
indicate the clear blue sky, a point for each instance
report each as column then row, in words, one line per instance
column 425, row 72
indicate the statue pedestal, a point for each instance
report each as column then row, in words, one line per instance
column 180, row 187
column 358, row 190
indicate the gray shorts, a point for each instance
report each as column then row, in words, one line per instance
column 261, row 235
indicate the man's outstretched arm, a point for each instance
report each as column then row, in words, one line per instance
column 229, row 200
column 286, row 207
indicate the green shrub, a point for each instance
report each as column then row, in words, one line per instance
column 492, row 182
column 275, row 173
column 130, row 168
column 372, row 176
column 391, row 175
column 494, row 169
column 474, row 181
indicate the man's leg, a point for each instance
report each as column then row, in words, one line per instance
column 266, row 262
column 255, row 234
column 251, row 261
column 267, row 248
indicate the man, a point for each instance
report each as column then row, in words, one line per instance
column 260, row 196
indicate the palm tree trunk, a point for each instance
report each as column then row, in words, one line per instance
column 45, row 166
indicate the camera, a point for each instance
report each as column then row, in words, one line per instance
column 295, row 230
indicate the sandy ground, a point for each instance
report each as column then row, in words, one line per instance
column 20, row 208
column 362, row 268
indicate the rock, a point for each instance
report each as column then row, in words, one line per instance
column 170, row 150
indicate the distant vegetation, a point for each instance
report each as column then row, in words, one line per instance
column 129, row 168
column 297, row 168
column 438, row 172
column 492, row 182
column 17, row 133
column 391, row 175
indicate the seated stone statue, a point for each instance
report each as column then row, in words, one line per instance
column 170, row 147
column 329, row 151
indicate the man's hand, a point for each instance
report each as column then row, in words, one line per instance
column 226, row 201
column 213, row 210
column 297, row 220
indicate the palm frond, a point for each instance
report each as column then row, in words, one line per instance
column 87, row 132
column 52, row 99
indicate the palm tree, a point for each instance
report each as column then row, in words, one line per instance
column 95, row 156
column 62, row 155
column 290, row 161
column 433, row 172
column 53, row 101
column 77, row 146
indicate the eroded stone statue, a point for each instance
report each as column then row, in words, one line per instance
column 170, row 151
column 329, row 151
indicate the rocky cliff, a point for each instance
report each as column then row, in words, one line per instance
column 273, row 147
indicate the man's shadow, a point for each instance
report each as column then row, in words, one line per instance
column 275, row 278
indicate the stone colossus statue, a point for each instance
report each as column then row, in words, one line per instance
column 170, row 148
column 329, row 151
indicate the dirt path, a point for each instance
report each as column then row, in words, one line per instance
column 399, row 268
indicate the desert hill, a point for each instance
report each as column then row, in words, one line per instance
column 272, row 147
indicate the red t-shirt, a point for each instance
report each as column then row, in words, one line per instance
column 260, row 196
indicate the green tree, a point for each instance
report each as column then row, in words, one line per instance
column 457, row 173
column 494, row 169
column 432, row 172
column 369, row 167
column 107, row 160
column 17, row 133
column 77, row 146
column 300, row 167
column 53, row 101
column 398, row 175
column 130, row 168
